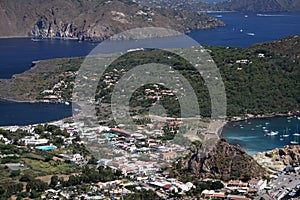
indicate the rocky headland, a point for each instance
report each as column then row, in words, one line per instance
column 223, row 161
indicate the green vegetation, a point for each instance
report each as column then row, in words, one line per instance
column 261, row 79
column 143, row 195
column 257, row 80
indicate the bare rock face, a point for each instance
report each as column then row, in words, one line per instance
column 278, row 159
column 95, row 20
column 224, row 161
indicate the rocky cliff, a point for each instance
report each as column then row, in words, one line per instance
column 279, row 158
column 95, row 20
column 224, row 161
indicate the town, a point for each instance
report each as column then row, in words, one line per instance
column 135, row 164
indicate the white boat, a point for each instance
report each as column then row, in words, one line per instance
column 297, row 132
column 35, row 40
column 272, row 133
column 294, row 142
column 251, row 34
column 285, row 133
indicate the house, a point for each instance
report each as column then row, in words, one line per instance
column 78, row 159
column 120, row 132
column 236, row 184
column 168, row 155
column 243, row 61
column 103, row 185
column 257, row 184
column 32, row 141
column 236, row 197
column 261, row 55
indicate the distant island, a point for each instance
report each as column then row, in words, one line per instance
column 91, row 20
column 228, row 5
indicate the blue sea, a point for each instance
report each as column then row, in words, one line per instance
column 245, row 29
column 242, row 29
column 13, row 113
column 254, row 136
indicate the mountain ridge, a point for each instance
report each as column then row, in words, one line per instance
column 95, row 20
column 229, row 5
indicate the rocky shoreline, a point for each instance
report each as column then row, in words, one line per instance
column 277, row 159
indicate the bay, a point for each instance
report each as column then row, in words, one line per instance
column 253, row 135
column 13, row 113
column 17, row 54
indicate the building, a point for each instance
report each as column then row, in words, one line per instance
column 120, row 132
column 32, row 141
column 168, row 155
column 236, row 197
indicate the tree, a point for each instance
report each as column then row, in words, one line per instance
column 15, row 173
column 54, row 181
column 216, row 185
column 2, row 190
column 26, row 178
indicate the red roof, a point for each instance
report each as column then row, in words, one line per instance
column 120, row 131
column 167, row 186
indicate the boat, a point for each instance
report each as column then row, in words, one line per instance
column 297, row 132
column 251, row 34
column 285, row 133
column 272, row 133
column 35, row 39
column 294, row 142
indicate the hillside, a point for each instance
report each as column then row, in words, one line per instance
column 233, row 5
column 261, row 6
column 94, row 20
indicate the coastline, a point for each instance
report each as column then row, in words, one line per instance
column 263, row 116
column 21, row 101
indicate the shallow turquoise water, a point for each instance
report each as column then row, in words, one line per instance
column 252, row 135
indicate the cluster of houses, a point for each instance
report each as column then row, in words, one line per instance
column 55, row 94
column 252, row 187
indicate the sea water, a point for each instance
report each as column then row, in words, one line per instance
column 255, row 135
